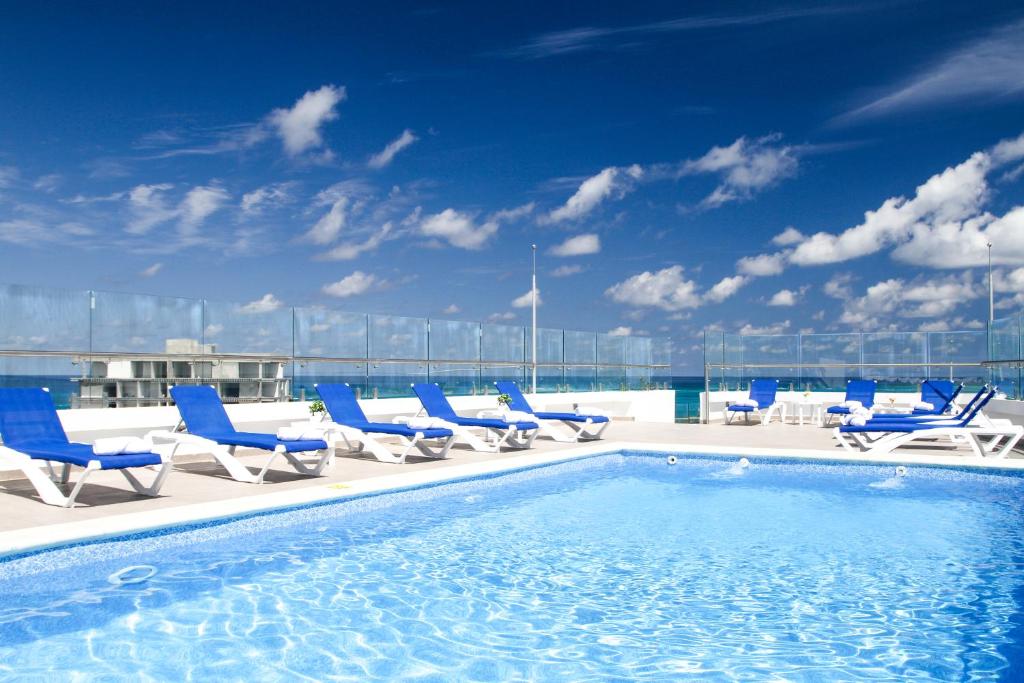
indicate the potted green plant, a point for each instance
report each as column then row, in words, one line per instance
column 504, row 400
column 317, row 410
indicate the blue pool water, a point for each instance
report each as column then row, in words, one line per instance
column 615, row 567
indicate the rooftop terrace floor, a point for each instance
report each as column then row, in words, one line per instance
column 202, row 490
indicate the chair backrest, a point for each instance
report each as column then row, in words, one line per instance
column 28, row 415
column 433, row 400
column 519, row 401
column 201, row 410
column 862, row 390
column 973, row 412
column 763, row 391
column 341, row 404
column 939, row 392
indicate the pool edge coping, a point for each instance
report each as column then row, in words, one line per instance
column 38, row 538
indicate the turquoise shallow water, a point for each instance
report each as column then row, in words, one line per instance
column 617, row 567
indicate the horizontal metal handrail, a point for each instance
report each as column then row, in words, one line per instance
column 236, row 357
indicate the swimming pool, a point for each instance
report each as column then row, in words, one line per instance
column 616, row 566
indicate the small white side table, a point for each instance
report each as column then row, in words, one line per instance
column 807, row 410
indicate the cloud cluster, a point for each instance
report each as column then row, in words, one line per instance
column 580, row 245
column 387, row 155
column 352, row 285
column 300, row 126
column 744, row 167
column 612, row 182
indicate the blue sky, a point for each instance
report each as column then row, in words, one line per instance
column 738, row 166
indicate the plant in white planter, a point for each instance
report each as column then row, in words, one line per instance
column 317, row 410
column 504, row 400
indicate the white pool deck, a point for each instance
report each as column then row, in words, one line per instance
column 198, row 491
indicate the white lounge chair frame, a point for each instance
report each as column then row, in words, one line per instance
column 779, row 408
column 312, row 465
column 496, row 438
column 46, row 483
column 993, row 439
column 579, row 431
column 358, row 441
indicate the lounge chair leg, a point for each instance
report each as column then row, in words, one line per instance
column 227, row 459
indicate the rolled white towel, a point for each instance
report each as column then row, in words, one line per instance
column 304, row 433
column 851, row 404
column 747, row 402
column 422, row 422
column 861, row 411
column 519, row 416
column 858, row 420
column 590, row 411
column 923, row 405
column 121, row 445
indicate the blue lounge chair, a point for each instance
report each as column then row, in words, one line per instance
column 927, row 417
column 351, row 424
column 583, row 427
column 940, row 393
column 862, row 390
column 762, row 392
column 500, row 432
column 31, row 431
column 988, row 439
column 209, row 427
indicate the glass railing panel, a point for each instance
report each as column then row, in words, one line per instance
column 307, row 374
column 580, row 347
column 489, row 374
column 43, row 319
column 457, row 379
column 580, row 378
column 549, row 378
column 329, row 334
column 611, row 378
column 394, row 380
column 549, row 346
column 906, row 351
column 397, row 337
column 611, row 349
column 454, row 340
column 247, row 329
column 829, row 349
column 504, row 343
column 136, row 323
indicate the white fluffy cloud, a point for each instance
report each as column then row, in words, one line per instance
column 149, row 206
column 783, row 297
column 666, row 289
column 451, row 309
column 351, row 250
column 299, row 127
column 762, row 265
column 897, row 298
column 745, row 167
column 526, row 300
column 566, row 271
column 580, row 245
column 352, row 285
column 773, row 328
column 461, row 229
column 387, row 155
column 265, row 304
column 610, row 182
column 788, row 237
column 152, row 270
column 199, row 203
column 328, row 226
column 725, row 288
column 944, row 225
column 267, row 196
column 620, row 331
column 458, row 229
